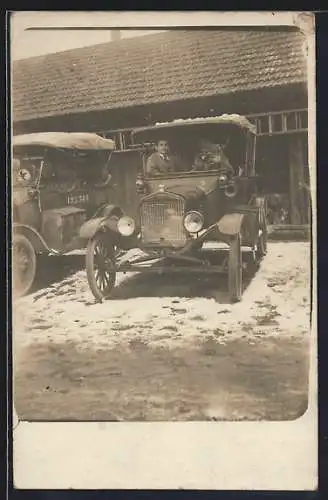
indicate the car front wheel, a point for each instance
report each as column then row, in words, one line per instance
column 100, row 266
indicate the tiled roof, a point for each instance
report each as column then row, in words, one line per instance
column 167, row 66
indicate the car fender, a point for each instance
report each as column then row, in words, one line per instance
column 111, row 210
column 231, row 224
column 105, row 219
column 38, row 242
column 96, row 224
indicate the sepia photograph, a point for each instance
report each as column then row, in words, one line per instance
column 162, row 223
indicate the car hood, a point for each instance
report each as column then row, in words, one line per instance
column 194, row 191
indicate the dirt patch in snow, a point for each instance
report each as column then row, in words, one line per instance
column 183, row 320
column 236, row 381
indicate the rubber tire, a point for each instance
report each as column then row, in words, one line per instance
column 263, row 243
column 31, row 254
column 90, row 268
column 235, row 269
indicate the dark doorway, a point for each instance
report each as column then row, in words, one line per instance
column 282, row 162
column 273, row 165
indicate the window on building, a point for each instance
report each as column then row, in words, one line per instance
column 277, row 123
column 280, row 122
column 291, row 121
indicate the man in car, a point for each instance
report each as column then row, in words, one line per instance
column 161, row 161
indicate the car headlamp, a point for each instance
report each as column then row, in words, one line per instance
column 126, row 226
column 223, row 178
column 193, row 221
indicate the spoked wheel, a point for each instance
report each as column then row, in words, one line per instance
column 100, row 264
column 262, row 243
column 24, row 265
column 259, row 249
column 235, row 269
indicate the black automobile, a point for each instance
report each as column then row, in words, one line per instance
column 210, row 194
column 59, row 181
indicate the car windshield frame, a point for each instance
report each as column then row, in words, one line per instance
column 223, row 137
column 64, row 165
column 194, row 172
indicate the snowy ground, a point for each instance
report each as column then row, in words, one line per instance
column 164, row 340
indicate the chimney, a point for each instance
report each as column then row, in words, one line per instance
column 115, row 35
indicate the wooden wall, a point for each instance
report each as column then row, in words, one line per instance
column 124, row 168
column 125, row 165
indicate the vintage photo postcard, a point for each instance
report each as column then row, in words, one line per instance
column 163, row 177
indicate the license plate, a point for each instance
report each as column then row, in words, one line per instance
column 76, row 199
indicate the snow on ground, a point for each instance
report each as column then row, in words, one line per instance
column 173, row 311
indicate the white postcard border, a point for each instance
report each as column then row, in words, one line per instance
column 213, row 456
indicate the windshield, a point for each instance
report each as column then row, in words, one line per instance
column 76, row 167
column 205, row 153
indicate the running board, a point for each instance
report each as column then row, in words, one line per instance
column 172, row 269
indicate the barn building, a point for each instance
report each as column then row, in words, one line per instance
column 112, row 87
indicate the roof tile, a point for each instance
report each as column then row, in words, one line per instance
column 172, row 65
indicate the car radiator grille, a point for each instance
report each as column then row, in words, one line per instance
column 162, row 222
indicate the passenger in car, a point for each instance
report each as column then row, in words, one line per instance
column 161, row 161
column 212, row 157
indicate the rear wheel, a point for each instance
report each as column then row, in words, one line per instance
column 24, row 265
column 100, row 265
column 259, row 248
column 235, row 269
column 263, row 236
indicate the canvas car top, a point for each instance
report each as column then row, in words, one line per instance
column 229, row 119
column 85, row 141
